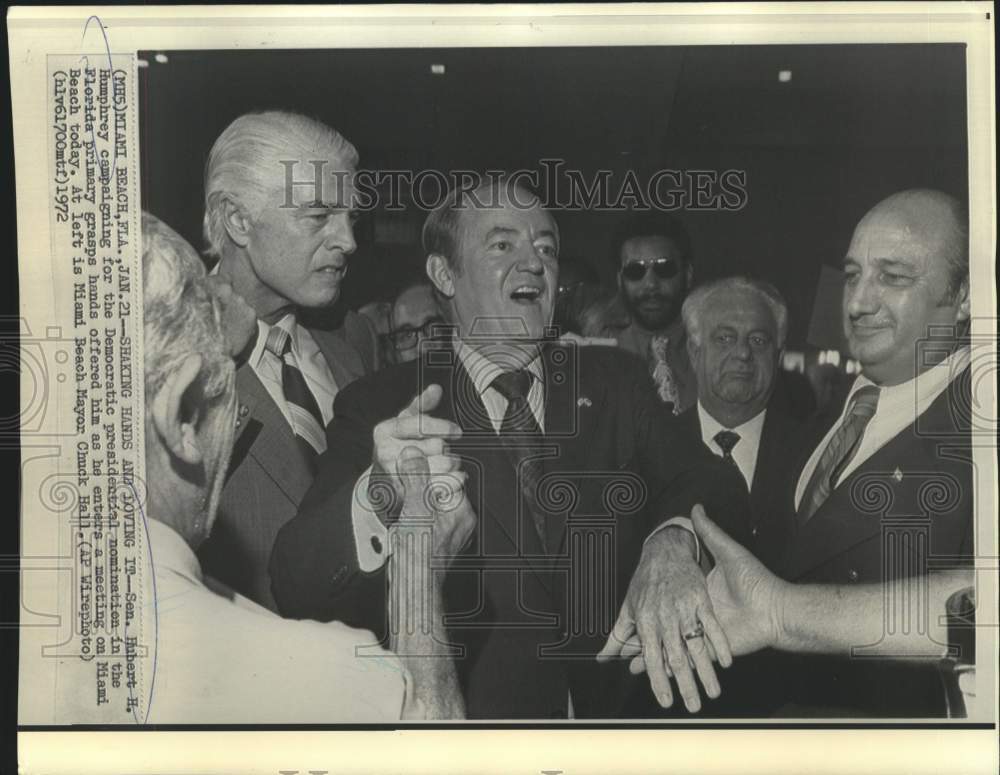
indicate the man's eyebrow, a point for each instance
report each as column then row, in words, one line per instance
column 894, row 263
column 547, row 233
column 500, row 230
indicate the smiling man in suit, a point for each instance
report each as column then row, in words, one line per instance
column 569, row 461
column 278, row 217
column 888, row 492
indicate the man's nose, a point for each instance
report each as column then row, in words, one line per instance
column 531, row 261
column 340, row 235
column 742, row 349
column 861, row 298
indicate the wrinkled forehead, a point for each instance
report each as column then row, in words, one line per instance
column 740, row 309
column 919, row 234
column 487, row 208
column 314, row 176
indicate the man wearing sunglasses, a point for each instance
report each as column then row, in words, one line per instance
column 414, row 315
column 653, row 252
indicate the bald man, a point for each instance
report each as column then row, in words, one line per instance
column 889, row 488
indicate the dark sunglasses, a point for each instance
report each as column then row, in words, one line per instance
column 663, row 268
column 405, row 338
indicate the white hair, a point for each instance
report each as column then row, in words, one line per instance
column 695, row 304
column 245, row 163
column 181, row 313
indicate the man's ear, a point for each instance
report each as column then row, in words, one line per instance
column 688, row 274
column 175, row 411
column 964, row 302
column 439, row 272
column 236, row 220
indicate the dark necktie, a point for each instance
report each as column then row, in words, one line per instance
column 519, row 421
column 307, row 420
column 839, row 452
column 726, row 441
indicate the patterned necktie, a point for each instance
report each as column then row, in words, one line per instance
column 519, row 420
column 726, row 441
column 307, row 420
column 663, row 375
column 839, row 452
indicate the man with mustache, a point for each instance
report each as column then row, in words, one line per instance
column 653, row 253
column 278, row 217
column 572, row 468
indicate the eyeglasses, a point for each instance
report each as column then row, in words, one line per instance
column 663, row 268
column 408, row 336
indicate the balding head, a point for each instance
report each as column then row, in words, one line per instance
column 931, row 220
column 907, row 279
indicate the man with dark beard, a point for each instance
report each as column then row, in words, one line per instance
column 653, row 252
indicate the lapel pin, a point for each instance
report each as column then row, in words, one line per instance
column 584, row 401
column 897, row 475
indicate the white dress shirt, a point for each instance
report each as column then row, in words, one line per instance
column 745, row 452
column 312, row 363
column 223, row 659
column 899, row 406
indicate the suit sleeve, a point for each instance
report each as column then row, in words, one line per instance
column 315, row 572
column 678, row 470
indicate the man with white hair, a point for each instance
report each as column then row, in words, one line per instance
column 220, row 658
column 736, row 329
column 278, row 217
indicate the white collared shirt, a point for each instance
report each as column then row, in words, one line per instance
column 482, row 371
column 223, row 659
column 312, row 363
column 745, row 452
column 898, row 408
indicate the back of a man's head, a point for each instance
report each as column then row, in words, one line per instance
column 189, row 375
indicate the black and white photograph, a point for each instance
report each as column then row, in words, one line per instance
column 658, row 326
column 398, row 381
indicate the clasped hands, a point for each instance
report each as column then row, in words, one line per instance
column 676, row 621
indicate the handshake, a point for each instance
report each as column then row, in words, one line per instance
column 415, row 482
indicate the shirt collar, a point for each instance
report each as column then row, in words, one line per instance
column 482, row 371
column 750, row 429
column 920, row 391
column 171, row 551
column 263, row 329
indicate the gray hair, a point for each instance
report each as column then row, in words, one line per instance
column 245, row 163
column 694, row 305
column 181, row 315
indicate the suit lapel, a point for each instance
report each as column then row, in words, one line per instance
column 345, row 362
column 461, row 403
column 573, row 405
column 275, row 447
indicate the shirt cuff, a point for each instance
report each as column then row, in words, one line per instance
column 371, row 539
column 683, row 522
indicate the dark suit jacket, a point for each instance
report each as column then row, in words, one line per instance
column 748, row 686
column 771, row 491
column 908, row 504
column 529, row 619
column 267, row 474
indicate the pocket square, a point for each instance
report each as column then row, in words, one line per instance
column 584, row 401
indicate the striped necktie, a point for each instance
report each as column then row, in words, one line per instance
column 307, row 420
column 839, row 452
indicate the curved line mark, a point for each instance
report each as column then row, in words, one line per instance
column 111, row 67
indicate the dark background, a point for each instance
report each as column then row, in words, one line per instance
column 855, row 123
